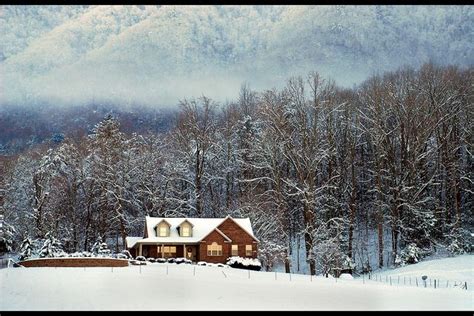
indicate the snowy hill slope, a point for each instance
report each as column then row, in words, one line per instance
column 458, row 269
column 189, row 287
column 158, row 52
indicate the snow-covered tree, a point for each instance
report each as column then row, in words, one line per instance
column 411, row 254
column 51, row 247
column 100, row 248
column 26, row 249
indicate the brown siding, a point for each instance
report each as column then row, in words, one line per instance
column 239, row 237
column 75, row 262
column 152, row 251
column 214, row 237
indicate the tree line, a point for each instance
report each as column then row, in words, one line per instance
column 312, row 161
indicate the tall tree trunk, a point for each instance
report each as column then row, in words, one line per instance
column 198, row 184
column 309, row 220
column 352, row 209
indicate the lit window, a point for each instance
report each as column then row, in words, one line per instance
column 163, row 231
column 214, row 249
column 186, row 231
column 169, row 251
column 235, row 250
column 248, row 250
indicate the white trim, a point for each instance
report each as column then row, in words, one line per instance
column 223, row 235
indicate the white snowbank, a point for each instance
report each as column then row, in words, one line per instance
column 346, row 276
column 457, row 269
column 193, row 287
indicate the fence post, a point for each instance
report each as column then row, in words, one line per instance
column 249, row 273
column 465, row 284
column 416, row 279
column 224, row 274
column 435, row 283
column 447, row 283
column 398, row 279
column 390, row 280
column 275, row 275
column 140, row 268
column 404, row 283
column 290, row 276
column 409, row 279
column 363, row 279
column 194, row 271
column 166, row 270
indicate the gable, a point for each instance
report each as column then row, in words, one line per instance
column 216, row 236
column 233, row 230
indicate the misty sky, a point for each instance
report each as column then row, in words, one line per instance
column 156, row 55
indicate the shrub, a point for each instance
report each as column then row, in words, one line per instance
column 151, row 259
column 140, row 258
column 127, row 254
column 244, row 263
column 183, row 260
column 171, row 260
column 161, row 260
column 202, row 263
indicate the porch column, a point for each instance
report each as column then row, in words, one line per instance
column 162, row 252
column 184, row 252
column 157, row 250
column 140, row 249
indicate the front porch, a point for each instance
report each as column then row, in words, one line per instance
column 168, row 251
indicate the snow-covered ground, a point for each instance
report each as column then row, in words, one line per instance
column 189, row 287
column 447, row 271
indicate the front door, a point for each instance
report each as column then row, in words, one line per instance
column 191, row 253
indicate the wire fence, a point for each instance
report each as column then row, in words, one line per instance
column 422, row 281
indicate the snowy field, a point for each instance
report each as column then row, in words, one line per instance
column 189, row 287
column 448, row 271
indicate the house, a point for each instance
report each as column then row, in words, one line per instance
column 198, row 239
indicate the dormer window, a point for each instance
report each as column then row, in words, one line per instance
column 185, row 229
column 162, row 229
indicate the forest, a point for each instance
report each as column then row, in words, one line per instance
column 332, row 167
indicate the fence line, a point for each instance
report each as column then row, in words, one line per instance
column 419, row 282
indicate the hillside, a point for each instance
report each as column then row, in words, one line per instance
column 188, row 287
column 448, row 271
column 158, row 54
column 24, row 128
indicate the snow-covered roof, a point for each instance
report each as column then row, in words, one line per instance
column 201, row 228
column 131, row 241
